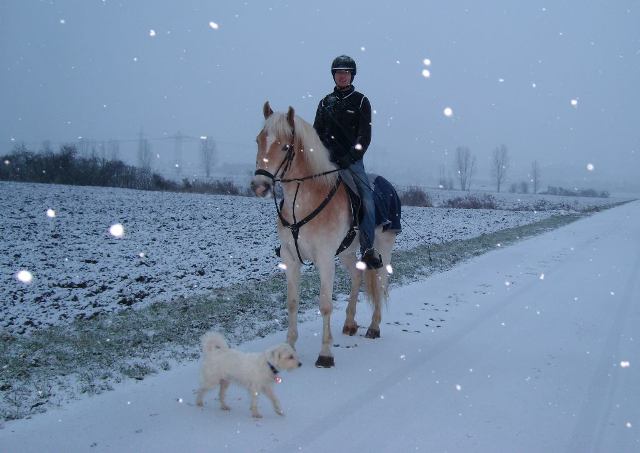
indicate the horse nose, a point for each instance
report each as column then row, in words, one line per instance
column 260, row 188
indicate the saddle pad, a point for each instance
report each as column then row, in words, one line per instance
column 385, row 197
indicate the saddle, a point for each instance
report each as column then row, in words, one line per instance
column 386, row 201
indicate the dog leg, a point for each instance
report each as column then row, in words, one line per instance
column 224, row 385
column 274, row 400
column 254, row 403
column 200, row 398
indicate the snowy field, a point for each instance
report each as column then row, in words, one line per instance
column 173, row 245
column 535, row 350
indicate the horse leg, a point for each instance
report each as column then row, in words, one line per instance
column 293, row 299
column 377, row 281
column 348, row 259
column 373, row 283
column 326, row 269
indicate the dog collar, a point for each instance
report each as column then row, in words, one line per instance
column 275, row 372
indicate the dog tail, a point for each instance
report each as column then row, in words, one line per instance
column 212, row 341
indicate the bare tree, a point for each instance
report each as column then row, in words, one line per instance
column 500, row 165
column 445, row 181
column 144, row 152
column 535, row 176
column 177, row 152
column 46, row 147
column 208, row 153
column 465, row 166
column 113, row 149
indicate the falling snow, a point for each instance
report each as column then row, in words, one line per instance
column 116, row 230
column 24, row 276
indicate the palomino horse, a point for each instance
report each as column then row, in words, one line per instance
column 313, row 219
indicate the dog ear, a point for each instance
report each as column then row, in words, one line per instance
column 274, row 355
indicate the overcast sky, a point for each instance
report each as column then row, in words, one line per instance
column 555, row 81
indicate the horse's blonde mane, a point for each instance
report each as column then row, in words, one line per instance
column 307, row 146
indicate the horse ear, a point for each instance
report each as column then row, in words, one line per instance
column 290, row 115
column 266, row 110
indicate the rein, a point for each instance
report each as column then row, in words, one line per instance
column 284, row 166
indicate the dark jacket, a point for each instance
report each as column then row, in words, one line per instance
column 343, row 120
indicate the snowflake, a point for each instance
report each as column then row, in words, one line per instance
column 213, row 25
column 448, row 112
column 116, row 230
column 24, row 276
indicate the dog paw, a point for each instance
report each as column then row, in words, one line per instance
column 280, row 412
column 224, row 407
column 256, row 415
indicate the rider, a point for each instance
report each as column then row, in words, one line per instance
column 343, row 123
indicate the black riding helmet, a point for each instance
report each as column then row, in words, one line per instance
column 343, row 63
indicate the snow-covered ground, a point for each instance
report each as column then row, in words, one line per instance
column 537, row 351
column 174, row 245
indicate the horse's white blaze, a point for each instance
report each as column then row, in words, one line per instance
column 270, row 141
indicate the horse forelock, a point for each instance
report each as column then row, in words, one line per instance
column 308, row 146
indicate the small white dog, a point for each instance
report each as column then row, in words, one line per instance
column 257, row 371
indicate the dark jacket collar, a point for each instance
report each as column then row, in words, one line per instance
column 344, row 93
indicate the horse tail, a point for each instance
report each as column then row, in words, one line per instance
column 375, row 286
column 213, row 341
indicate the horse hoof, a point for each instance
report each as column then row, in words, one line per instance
column 350, row 330
column 325, row 362
column 372, row 333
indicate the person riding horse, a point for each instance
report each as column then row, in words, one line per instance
column 343, row 123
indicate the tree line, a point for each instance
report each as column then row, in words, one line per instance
column 67, row 167
column 465, row 167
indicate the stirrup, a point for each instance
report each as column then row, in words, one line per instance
column 372, row 259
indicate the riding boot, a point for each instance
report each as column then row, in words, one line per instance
column 372, row 259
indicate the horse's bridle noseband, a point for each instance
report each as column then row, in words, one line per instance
column 284, row 166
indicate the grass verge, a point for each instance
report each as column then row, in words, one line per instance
column 55, row 364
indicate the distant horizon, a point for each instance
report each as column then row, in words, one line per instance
column 554, row 83
column 551, row 175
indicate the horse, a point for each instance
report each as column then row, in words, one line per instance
column 313, row 218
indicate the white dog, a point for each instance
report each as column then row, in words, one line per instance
column 256, row 371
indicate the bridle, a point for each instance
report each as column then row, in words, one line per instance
column 278, row 176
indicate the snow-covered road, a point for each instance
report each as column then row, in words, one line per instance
column 538, row 353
